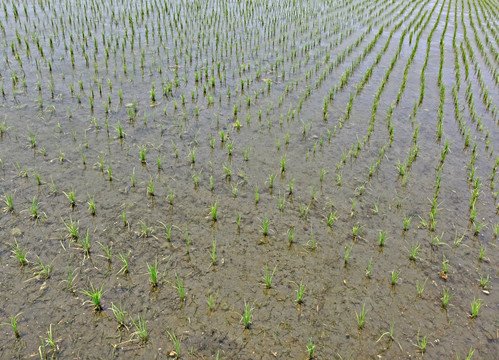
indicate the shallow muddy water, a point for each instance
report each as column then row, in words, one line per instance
column 250, row 151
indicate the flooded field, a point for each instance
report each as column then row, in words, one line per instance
column 249, row 180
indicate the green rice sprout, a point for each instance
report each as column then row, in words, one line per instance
column 291, row 186
column 446, row 298
column 339, row 177
column 228, row 171
column 133, row 177
column 477, row 227
column 265, row 226
column 281, row 202
column 420, row 287
column 496, row 230
column 153, row 272
column 300, row 292
column 212, row 299
column 192, row 155
column 101, row 163
column 125, row 221
column 8, row 200
column 284, row 161
column 257, row 197
column 85, row 244
column 348, row 249
column 19, row 254
column 458, row 240
column 395, row 277
column 159, row 161
column 176, row 342
column 310, row 348
column 124, row 259
column 469, row 356
column 187, row 242
column 13, row 325
column 71, row 196
column 238, row 221
column 142, row 152
column 95, row 295
column 171, row 196
column 214, row 211
column 180, row 288
column 389, row 333
column 445, row 264
column 229, row 146
column 145, row 231
column 120, row 314
column 213, row 252
column 140, row 329
column 291, row 235
column 481, row 254
column 44, row 270
column 91, row 205
column 33, row 209
column 107, row 251
column 331, row 219
column 437, row 241
column 421, row 343
column 484, row 282
column 70, row 280
column 369, row 269
column 32, row 138
column 246, row 154
column 54, row 188
column 361, row 317
column 37, row 177
column 311, row 244
column 352, row 209
column 247, row 315
column 271, row 181
column 407, row 221
column 382, row 238
column 50, row 341
column 414, row 251
column 119, row 130
column 168, row 231
column 355, row 231
column 475, row 307
column 269, row 276
column 150, row 188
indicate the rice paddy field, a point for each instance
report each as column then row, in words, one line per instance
column 249, row 180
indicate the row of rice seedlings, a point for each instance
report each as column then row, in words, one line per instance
column 368, row 73
column 465, row 131
column 440, row 83
column 478, row 43
column 341, row 57
column 486, row 98
column 403, row 169
column 489, row 31
column 409, row 62
column 355, row 149
column 366, row 76
column 425, row 63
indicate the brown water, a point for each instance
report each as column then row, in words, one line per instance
column 303, row 49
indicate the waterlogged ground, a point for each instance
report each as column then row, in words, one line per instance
column 345, row 149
